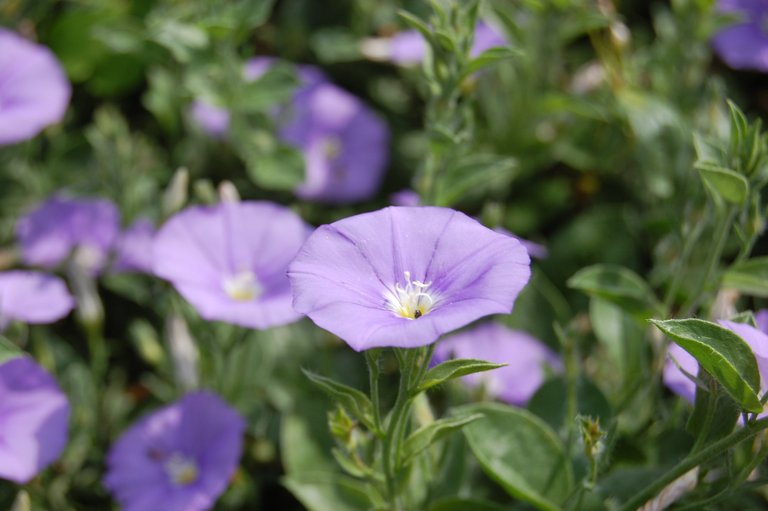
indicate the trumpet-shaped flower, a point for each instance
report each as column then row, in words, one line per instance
column 179, row 458
column 525, row 356
column 229, row 260
column 59, row 226
column 32, row 297
column 744, row 45
column 682, row 385
column 403, row 276
column 34, row 419
column 34, row 91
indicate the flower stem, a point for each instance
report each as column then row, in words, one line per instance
column 694, row 460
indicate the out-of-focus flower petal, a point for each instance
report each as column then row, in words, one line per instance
column 33, row 297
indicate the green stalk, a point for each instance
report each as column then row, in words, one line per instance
column 693, row 460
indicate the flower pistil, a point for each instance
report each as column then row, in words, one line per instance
column 412, row 300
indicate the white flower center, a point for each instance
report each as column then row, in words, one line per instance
column 181, row 469
column 411, row 301
column 243, row 286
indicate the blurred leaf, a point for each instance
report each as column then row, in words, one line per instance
column 456, row 504
column 280, row 169
column 750, row 277
column 305, row 448
column 722, row 353
column 416, row 23
column 549, row 402
column 337, row 44
column 521, row 453
column 622, row 337
column 617, row 285
column 354, row 401
column 455, row 368
column 181, row 39
column 724, row 183
column 322, row 491
column 490, row 57
column 424, row 437
column 473, row 175
column 8, row 350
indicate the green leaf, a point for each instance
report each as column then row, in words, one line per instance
column 455, row 368
column 456, row 504
column 750, row 277
column 416, row 23
column 354, row 401
column 488, row 58
column 8, row 350
column 623, row 339
column 549, row 402
column 431, row 433
column 617, row 285
column 279, row 169
column 322, row 491
column 474, row 175
column 722, row 353
column 725, row 183
column 714, row 412
column 521, row 453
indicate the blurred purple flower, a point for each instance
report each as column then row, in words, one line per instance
column 34, row 419
column 60, row 225
column 32, row 297
column 761, row 318
column 212, row 119
column 404, row 276
column 133, row 249
column 526, row 358
column 34, row 91
column 409, row 47
column 684, row 387
column 744, row 45
column 229, row 260
column 179, row 458
column 405, row 197
column 345, row 144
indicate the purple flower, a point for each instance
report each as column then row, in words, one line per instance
column 34, row 91
column 526, row 358
column 34, row 419
column 345, row 144
column 405, row 198
column 745, row 44
column 133, row 249
column 32, row 297
column 212, row 119
column 684, row 387
column 761, row 318
column 409, row 47
column 229, row 260
column 179, row 458
column 404, row 276
column 60, row 225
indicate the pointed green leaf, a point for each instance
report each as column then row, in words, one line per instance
column 750, row 277
column 723, row 182
column 617, row 285
column 455, row 368
column 322, row 491
column 521, row 453
column 354, row 401
column 431, row 433
column 722, row 353
column 416, row 23
column 456, row 504
column 490, row 57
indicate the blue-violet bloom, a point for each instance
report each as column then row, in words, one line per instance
column 178, row 458
column 32, row 297
column 744, row 45
column 229, row 260
column 214, row 120
column 34, row 419
column 403, row 276
column 527, row 360
column 34, row 91
column 59, row 226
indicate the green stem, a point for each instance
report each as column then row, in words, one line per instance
column 688, row 244
column 694, row 460
column 372, row 359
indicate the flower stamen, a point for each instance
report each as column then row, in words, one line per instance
column 181, row 469
column 243, row 286
column 411, row 301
